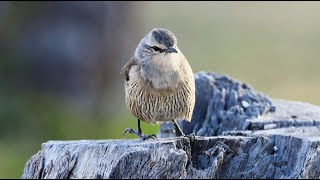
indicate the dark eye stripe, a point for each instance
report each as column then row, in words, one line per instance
column 153, row 48
column 157, row 49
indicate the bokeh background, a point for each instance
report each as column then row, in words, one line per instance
column 60, row 61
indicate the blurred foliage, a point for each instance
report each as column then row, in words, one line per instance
column 273, row 46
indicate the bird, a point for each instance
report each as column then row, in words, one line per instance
column 159, row 83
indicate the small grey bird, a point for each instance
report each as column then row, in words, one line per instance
column 159, row 82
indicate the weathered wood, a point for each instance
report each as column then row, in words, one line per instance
column 273, row 139
column 280, row 153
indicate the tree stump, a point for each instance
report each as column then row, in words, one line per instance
column 258, row 138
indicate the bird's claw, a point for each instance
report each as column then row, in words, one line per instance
column 129, row 130
column 191, row 136
column 148, row 136
column 139, row 134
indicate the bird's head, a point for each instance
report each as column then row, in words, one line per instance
column 159, row 44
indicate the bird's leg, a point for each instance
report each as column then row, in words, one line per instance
column 177, row 129
column 139, row 133
column 179, row 132
column 139, row 128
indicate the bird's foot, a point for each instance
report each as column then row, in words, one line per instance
column 179, row 134
column 191, row 136
column 139, row 134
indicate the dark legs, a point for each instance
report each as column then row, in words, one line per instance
column 139, row 133
column 139, row 127
column 177, row 129
column 179, row 132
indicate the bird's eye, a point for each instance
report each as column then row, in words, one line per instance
column 157, row 48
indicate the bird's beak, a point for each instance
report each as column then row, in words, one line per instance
column 171, row 50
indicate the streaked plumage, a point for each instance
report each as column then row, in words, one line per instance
column 159, row 83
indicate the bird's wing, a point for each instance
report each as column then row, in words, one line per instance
column 126, row 68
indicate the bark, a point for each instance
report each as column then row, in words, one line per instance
column 278, row 153
column 240, row 133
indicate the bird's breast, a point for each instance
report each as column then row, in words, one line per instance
column 153, row 105
column 161, row 75
column 160, row 91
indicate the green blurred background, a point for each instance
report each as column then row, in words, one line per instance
column 60, row 61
